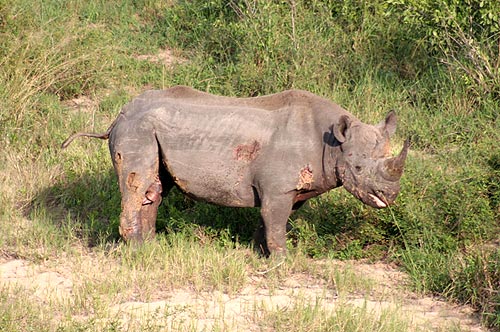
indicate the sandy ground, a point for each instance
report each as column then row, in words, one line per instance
column 240, row 311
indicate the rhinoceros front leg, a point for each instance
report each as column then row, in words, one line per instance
column 274, row 213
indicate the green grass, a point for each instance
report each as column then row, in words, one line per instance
column 443, row 230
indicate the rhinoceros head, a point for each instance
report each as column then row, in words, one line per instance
column 365, row 167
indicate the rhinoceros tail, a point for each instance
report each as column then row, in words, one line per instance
column 101, row 136
column 72, row 137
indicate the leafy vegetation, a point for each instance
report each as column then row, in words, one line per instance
column 435, row 62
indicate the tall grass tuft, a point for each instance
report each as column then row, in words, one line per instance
column 40, row 66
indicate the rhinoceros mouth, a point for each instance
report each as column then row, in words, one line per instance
column 378, row 202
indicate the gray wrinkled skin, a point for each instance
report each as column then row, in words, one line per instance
column 273, row 151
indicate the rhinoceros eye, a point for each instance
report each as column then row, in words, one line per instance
column 358, row 169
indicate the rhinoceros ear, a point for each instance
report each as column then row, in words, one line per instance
column 340, row 129
column 389, row 124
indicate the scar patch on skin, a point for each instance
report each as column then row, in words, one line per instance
column 131, row 182
column 306, row 178
column 118, row 162
column 247, row 152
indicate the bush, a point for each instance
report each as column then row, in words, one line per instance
column 463, row 34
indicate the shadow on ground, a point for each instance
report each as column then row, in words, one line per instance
column 90, row 205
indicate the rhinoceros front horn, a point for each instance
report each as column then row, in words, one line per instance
column 393, row 167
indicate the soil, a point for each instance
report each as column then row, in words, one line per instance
column 239, row 311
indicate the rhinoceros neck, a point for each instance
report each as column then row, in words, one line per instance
column 332, row 166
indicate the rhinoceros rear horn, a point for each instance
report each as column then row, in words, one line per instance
column 393, row 167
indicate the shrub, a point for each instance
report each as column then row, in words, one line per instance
column 463, row 34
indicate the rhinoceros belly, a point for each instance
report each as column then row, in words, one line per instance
column 211, row 180
column 210, row 152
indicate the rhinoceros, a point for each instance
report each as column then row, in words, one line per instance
column 273, row 152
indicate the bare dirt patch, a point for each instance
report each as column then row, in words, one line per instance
column 83, row 104
column 164, row 57
column 43, row 283
column 183, row 307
